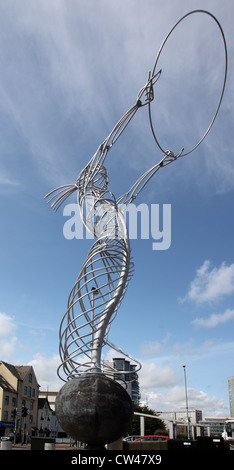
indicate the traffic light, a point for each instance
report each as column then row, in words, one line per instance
column 24, row 411
column 13, row 414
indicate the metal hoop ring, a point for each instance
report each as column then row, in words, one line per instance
column 224, row 81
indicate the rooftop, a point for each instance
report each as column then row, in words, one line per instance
column 19, row 372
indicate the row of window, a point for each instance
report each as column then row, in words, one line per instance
column 7, row 415
column 7, row 400
column 29, row 391
column 13, row 403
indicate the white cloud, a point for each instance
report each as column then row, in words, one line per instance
column 8, row 340
column 46, row 371
column 45, row 367
column 211, row 284
column 215, row 319
column 151, row 376
column 7, row 325
column 8, row 347
column 174, row 399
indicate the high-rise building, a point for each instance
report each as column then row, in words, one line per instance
column 124, row 372
column 231, row 395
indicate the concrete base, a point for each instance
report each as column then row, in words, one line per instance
column 39, row 443
column 144, row 445
column 49, row 446
column 6, row 445
column 116, row 445
column 94, row 409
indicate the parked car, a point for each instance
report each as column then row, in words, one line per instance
column 131, row 438
column 153, row 438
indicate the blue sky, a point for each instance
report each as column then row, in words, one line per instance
column 69, row 71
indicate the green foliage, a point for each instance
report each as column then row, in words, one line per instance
column 182, row 435
column 161, row 432
column 152, row 425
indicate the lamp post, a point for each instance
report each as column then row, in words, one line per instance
column 186, row 397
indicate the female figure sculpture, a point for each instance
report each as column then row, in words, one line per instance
column 103, row 279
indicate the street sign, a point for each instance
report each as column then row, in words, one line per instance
column 18, row 413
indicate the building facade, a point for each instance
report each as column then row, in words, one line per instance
column 44, row 420
column 176, row 421
column 213, row 426
column 123, row 372
column 18, row 400
column 8, row 399
column 231, row 395
column 51, row 397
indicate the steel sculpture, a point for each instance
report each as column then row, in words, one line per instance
column 103, row 279
column 92, row 407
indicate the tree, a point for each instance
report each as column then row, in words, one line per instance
column 151, row 424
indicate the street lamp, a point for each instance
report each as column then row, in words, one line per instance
column 186, row 397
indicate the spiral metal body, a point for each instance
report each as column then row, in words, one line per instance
column 103, row 279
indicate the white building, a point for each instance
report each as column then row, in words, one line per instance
column 55, row 429
column 44, row 422
column 51, row 397
column 213, row 426
column 176, row 421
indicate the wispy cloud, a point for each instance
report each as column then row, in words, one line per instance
column 211, row 284
column 76, row 75
column 215, row 319
column 151, row 348
column 6, row 180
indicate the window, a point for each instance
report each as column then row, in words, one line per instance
column 29, row 391
column 33, row 392
column 31, row 405
column 13, row 401
column 25, row 390
column 30, row 378
column 5, row 415
column 31, row 419
column 23, row 403
column 6, row 400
